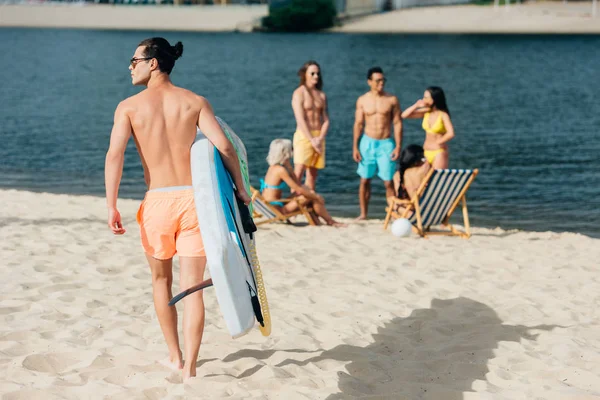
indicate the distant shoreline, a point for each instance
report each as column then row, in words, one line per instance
column 529, row 18
column 232, row 18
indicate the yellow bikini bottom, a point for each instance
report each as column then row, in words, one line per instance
column 430, row 155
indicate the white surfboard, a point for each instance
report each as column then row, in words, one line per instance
column 229, row 247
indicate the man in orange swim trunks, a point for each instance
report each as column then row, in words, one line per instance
column 162, row 120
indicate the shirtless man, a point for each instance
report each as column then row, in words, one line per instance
column 163, row 119
column 312, row 122
column 376, row 151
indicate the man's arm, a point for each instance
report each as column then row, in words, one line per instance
column 359, row 124
column 115, row 156
column 397, row 122
column 113, row 167
column 325, row 126
column 212, row 130
column 299, row 115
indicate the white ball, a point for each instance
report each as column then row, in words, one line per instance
column 401, row 227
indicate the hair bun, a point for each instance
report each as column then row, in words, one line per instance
column 177, row 50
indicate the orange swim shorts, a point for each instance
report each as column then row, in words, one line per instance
column 169, row 224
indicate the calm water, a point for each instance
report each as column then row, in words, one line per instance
column 525, row 110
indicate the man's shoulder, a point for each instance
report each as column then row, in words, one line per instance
column 186, row 92
column 364, row 97
column 129, row 103
column 390, row 96
column 298, row 91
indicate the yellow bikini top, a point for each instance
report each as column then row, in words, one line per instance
column 438, row 127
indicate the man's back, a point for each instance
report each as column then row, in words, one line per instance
column 164, row 122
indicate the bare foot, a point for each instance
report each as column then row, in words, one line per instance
column 187, row 375
column 175, row 365
column 361, row 218
column 337, row 224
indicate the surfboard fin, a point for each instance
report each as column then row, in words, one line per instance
column 257, row 310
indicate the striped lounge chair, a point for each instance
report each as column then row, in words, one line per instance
column 435, row 201
column 265, row 213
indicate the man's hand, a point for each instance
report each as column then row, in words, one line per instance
column 316, row 144
column 243, row 196
column 356, row 155
column 114, row 221
column 395, row 154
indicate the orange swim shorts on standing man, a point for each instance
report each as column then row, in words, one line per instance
column 169, row 223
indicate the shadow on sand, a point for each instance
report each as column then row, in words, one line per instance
column 435, row 353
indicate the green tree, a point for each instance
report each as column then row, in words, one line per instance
column 300, row 15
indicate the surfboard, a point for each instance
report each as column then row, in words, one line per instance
column 228, row 233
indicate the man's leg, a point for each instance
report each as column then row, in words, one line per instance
column 299, row 171
column 366, row 171
column 364, row 195
column 387, row 168
column 162, row 279
column 311, row 177
column 192, row 273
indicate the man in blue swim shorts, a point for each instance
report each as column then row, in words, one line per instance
column 375, row 151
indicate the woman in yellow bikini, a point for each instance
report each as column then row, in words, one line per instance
column 436, row 124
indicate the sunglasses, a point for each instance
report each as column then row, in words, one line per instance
column 134, row 61
column 382, row 80
column 315, row 74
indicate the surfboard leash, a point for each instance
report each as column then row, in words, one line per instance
column 262, row 293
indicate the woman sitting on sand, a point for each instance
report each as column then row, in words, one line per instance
column 412, row 168
column 280, row 176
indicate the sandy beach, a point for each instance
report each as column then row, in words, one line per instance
column 528, row 18
column 357, row 313
column 533, row 17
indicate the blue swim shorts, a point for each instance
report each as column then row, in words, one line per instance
column 376, row 157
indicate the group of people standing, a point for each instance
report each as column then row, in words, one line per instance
column 377, row 143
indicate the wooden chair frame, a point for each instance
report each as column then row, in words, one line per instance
column 303, row 209
column 413, row 205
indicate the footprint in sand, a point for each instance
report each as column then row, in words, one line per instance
column 95, row 304
column 51, row 363
column 59, row 288
column 11, row 310
column 41, row 268
column 57, row 316
column 120, row 377
column 155, row 393
column 31, row 285
column 109, row 271
column 141, row 276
